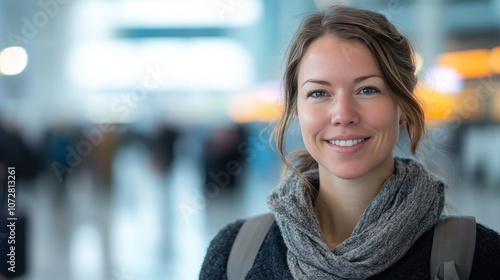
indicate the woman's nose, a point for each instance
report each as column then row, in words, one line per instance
column 344, row 111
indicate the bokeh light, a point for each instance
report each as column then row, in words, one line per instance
column 13, row 60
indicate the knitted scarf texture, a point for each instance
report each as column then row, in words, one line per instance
column 409, row 203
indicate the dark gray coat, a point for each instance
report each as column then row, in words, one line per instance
column 271, row 261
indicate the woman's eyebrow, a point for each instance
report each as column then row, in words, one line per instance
column 362, row 78
column 355, row 81
column 321, row 82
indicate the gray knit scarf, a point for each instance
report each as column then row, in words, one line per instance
column 409, row 203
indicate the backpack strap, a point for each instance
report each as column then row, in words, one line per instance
column 453, row 248
column 247, row 244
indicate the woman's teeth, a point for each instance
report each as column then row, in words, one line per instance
column 346, row 143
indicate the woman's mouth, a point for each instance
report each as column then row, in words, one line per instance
column 347, row 143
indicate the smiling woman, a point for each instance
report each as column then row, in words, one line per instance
column 339, row 102
column 347, row 208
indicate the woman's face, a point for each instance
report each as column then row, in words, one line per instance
column 348, row 119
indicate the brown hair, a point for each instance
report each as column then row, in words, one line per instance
column 391, row 49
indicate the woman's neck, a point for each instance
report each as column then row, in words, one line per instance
column 341, row 203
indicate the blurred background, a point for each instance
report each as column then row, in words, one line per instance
column 138, row 129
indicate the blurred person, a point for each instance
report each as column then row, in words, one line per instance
column 102, row 159
column 55, row 145
column 347, row 208
column 221, row 156
column 162, row 145
column 15, row 152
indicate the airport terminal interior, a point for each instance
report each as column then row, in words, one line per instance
column 137, row 129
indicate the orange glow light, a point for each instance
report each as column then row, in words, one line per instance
column 254, row 106
column 469, row 64
column 495, row 60
column 437, row 105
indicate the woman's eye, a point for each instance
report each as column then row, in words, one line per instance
column 368, row 91
column 317, row 94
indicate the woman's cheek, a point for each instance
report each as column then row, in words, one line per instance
column 312, row 121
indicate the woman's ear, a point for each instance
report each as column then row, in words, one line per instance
column 402, row 118
column 402, row 115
